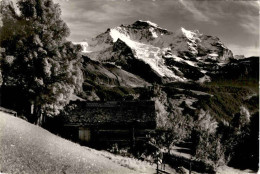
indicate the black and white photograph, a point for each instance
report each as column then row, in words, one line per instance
column 129, row 86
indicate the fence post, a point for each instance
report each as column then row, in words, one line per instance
column 157, row 170
column 190, row 166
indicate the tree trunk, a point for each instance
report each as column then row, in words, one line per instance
column 39, row 119
column 38, row 115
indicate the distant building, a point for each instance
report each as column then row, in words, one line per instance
column 105, row 123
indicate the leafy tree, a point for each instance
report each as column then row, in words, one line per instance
column 45, row 66
column 241, row 119
column 206, row 143
column 174, row 127
column 241, row 141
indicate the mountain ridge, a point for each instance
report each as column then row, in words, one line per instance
column 156, row 47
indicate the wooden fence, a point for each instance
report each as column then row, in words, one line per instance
column 8, row 111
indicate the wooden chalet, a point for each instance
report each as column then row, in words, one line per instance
column 101, row 124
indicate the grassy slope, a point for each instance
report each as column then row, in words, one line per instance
column 230, row 96
column 26, row 148
column 227, row 96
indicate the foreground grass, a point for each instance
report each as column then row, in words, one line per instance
column 26, row 148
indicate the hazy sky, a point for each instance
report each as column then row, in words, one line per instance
column 235, row 22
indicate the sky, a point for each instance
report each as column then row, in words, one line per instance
column 235, row 22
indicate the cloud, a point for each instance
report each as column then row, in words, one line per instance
column 249, row 20
column 250, row 24
column 247, row 51
column 97, row 11
column 189, row 5
column 244, row 13
column 110, row 11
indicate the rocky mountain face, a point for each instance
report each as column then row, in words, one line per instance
column 240, row 69
column 168, row 56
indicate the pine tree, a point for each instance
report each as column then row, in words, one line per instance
column 45, row 66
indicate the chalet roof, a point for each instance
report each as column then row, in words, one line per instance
column 111, row 112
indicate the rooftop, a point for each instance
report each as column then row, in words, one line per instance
column 82, row 113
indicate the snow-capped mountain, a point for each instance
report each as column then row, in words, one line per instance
column 182, row 55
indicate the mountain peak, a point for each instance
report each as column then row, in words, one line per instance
column 190, row 34
column 149, row 22
column 149, row 42
column 141, row 23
